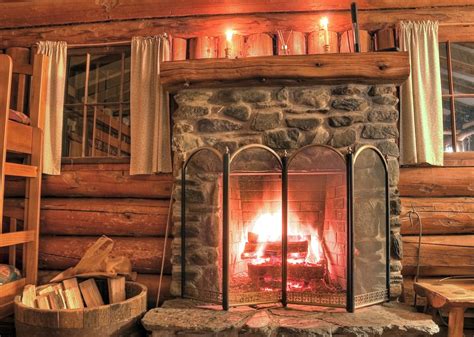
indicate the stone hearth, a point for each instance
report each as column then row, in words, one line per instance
column 185, row 318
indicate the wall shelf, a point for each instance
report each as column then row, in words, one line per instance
column 363, row 68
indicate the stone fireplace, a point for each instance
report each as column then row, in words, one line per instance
column 316, row 125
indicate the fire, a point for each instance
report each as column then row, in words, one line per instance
column 267, row 226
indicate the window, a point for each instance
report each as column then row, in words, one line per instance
column 457, row 79
column 97, row 103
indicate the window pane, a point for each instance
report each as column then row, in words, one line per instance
column 444, row 68
column 76, row 79
column 104, row 82
column 448, row 143
column 464, row 123
column 462, row 55
column 72, row 139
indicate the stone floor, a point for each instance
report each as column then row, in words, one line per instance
column 187, row 318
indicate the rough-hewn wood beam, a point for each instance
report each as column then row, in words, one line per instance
column 244, row 24
column 47, row 12
column 388, row 67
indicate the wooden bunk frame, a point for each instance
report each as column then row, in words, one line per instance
column 25, row 139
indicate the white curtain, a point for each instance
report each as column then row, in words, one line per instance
column 149, row 107
column 421, row 117
column 53, row 126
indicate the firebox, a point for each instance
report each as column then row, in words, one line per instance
column 311, row 228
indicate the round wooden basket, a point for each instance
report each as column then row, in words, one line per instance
column 119, row 319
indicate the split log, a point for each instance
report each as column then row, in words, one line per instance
column 178, row 49
column 386, row 39
column 236, row 47
column 440, row 255
column 245, row 24
column 98, row 181
column 203, row 47
column 436, row 182
column 347, row 41
column 439, row 215
column 273, row 249
column 148, row 280
column 316, row 42
column 89, row 216
column 295, row 43
column 62, row 252
column 259, row 45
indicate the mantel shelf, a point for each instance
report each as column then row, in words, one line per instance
column 364, row 68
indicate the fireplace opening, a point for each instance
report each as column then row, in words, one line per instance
column 285, row 229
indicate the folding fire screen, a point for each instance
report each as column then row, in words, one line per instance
column 312, row 228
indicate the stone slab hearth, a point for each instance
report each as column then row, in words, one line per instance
column 189, row 318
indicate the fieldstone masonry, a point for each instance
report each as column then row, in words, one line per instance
column 287, row 118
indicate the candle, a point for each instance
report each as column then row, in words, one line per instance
column 323, row 24
column 228, row 42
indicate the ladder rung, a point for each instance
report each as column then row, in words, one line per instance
column 16, row 238
column 20, row 170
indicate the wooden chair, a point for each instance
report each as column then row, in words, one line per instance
column 28, row 140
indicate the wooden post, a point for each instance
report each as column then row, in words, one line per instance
column 19, row 56
column 203, row 47
column 316, row 43
column 178, row 49
column 347, row 41
column 235, row 47
column 456, row 322
column 259, row 45
column 294, row 41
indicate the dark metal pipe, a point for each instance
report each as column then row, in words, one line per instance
column 225, row 233
column 350, row 305
column 355, row 27
column 183, row 231
column 284, row 231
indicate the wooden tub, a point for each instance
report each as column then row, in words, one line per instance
column 119, row 319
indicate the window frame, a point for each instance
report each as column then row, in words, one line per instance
column 85, row 106
column 455, row 155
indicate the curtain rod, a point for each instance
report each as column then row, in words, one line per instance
column 101, row 44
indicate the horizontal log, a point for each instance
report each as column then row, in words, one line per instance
column 92, row 216
column 98, row 181
column 438, row 215
column 244, row 24
column 436, row 182
column 21, row 14
column 62, row 252
column 384, row 67
column 149, row 280
column 440, row 255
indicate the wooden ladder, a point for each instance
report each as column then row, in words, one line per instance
column 31, row 170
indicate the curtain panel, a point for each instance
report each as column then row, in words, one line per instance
column 149, row 107
column 421, row 116
column 53, row 126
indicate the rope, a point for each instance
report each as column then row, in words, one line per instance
column 164, row 250
column 420, row 233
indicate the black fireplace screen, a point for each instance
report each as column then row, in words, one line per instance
column 311, row 228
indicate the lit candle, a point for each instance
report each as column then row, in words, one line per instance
column 228, row 42
column 323, row 24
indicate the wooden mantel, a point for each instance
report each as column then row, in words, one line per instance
column 365, row 68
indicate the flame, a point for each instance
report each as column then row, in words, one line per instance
column 268, row 228
column 228, row 35
column 324, row 22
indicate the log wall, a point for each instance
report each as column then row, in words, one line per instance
column 444, row 199
column 90, row 200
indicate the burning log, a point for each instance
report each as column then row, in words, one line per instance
column 269, row 274
column 273, row 249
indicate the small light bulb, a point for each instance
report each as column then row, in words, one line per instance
column 324, row 22
column 228, row 35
